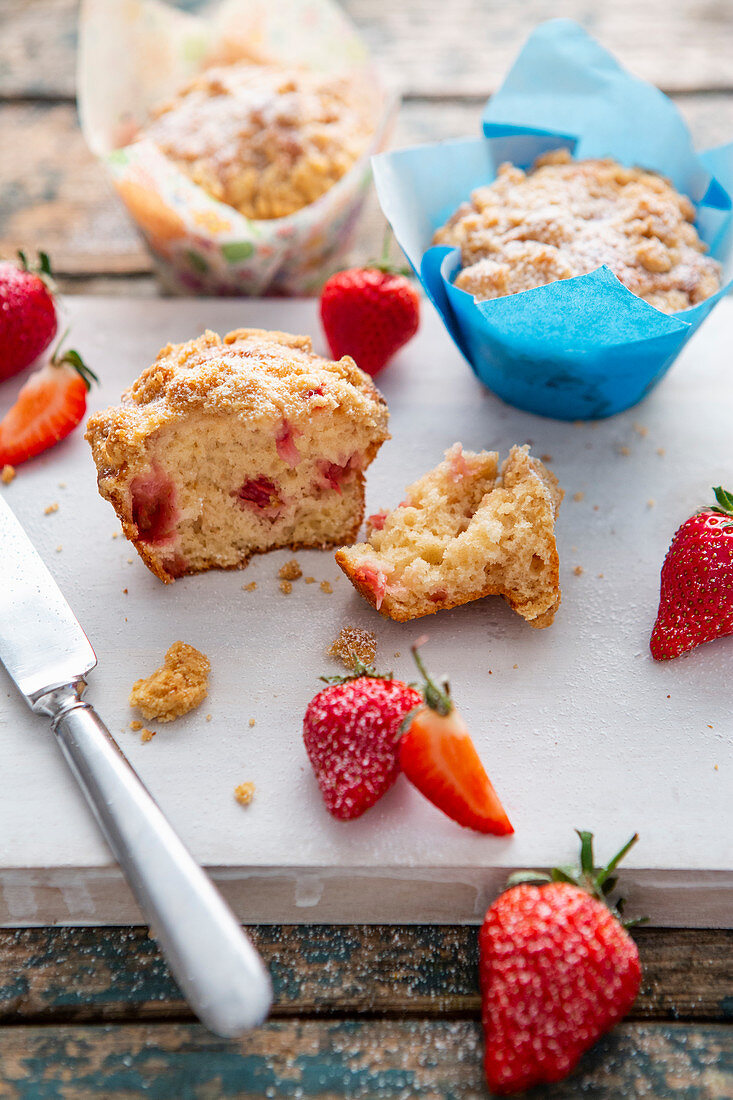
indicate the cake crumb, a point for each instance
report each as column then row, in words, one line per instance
column 286, row 587
column 310, row 580
column 291, row 571
column 640, row 429
column 62, row 485
column 59, row 549
column 661, row 452
column 579, row 496
column 515, row 666
column 578, row 570
column 8, row 473
column 650, row 502
column 251, row 723
column 709, row 726
column 600, row 576
column 129, row 561
column 124, row 592
column 595, row 507
column 354, row 645
column 398, row 654
column 715, row 767
column 175, row 688
column 115, row 534
column 546, row 458
column 208, row 717
column 326, row 587
column 244, row 793
column 50, row 509
column 623, row 450
column 147, row 735
column 249, row 587
column 136, row 726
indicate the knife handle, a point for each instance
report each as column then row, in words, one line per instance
column 220, row 973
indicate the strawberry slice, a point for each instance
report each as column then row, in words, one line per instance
column 49, row 406
column 438, row 756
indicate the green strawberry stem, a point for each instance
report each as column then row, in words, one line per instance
column 41, row 268
column 73, row 359
column 599, row 882
column 384, row 264
column 437, row 698
column 725, row 502
column 359, row 669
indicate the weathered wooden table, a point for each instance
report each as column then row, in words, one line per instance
column 359, row 1011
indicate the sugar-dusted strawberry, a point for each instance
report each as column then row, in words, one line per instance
column 27, row 313
column 696, row 596
column 48, row 407
column 351, row 733
column 369, row 312
column 557, row 970
column 438, row 756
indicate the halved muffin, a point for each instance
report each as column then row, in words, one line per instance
column 224, row 448
column 465, row 530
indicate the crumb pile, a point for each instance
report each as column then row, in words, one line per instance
column 465, row 530
column 174, row 689
column 354, row 645
column 224, row 448
column 567, row 218
column 263, row 139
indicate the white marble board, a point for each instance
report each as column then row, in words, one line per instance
column 578, row 726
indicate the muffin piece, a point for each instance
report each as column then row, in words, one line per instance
column 465, row 530
column 227, row 448
column 567, row 218
column 263, row 139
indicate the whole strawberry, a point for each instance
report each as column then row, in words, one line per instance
column 369, row 313
column 557, row 970
column 696, row 596
column 351, row 732
column 27, row 313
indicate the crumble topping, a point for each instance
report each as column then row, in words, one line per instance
column 566, row 218
column 174, row 689
column 264, row 139
column 354, row 644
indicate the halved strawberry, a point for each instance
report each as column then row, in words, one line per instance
column 48, row 407
column 438, row 756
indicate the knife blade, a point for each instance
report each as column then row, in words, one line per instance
column 41, row 644
column 48, row 656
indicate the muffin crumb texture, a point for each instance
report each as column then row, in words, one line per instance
column 567, row 218
column 291, row 571
column 174, row 689
column 354, row 645
column 465, row 530
column 244, row 793
column 264, row 139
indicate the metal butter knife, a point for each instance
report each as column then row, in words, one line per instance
column 48, row 656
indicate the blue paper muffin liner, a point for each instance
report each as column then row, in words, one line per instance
column 579, row 348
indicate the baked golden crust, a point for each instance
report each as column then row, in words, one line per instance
column 465, row 530
column 264, row 139
column 254, row 408
column 567, row 218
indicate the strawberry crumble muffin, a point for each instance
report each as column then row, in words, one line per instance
column 567, row 218
column 224, row 448
column 264, row 139
column 465, row 530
